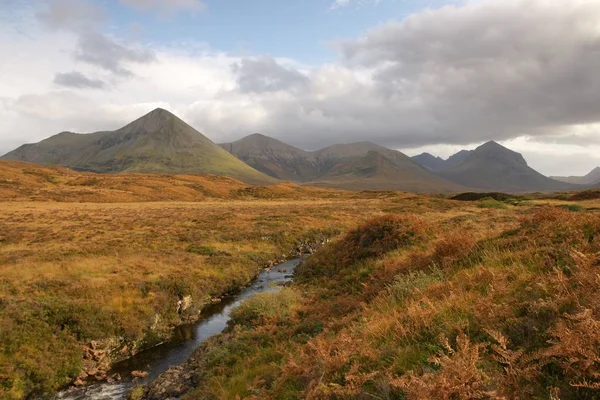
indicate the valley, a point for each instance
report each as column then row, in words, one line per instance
column 89, row 280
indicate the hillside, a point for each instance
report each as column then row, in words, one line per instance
column 374, row 167
column 593, row 177
column 158, row 142
column 274, row 158
column 494, row 167
column 353, row 166
column 20, row 181
column 429, row 161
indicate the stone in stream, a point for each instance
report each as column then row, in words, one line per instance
column 139, row 374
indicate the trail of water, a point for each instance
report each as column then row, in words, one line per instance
column 186, row 339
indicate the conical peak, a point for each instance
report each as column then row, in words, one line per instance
column 491, row 145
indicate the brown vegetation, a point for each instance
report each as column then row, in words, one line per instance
column 486, row 308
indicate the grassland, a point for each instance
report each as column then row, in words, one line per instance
column 106, row 258
column 496, row 304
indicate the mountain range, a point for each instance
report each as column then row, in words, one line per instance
column 592, row 178
column 160, row 142
column 357, row 166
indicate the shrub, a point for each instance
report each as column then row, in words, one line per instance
column 491, row 203
column 205, row 251
column 382, row 235
column 373, row 239
column 572, row 207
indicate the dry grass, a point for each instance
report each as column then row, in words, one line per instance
column 106, row 257
column 486, row 307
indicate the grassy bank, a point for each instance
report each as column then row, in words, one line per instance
column 415, row 307
column 105, row 259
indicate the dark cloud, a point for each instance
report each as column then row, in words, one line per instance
column 78, row 80
column 486, row 70
column 98, row 49
column 263, row 74
column 494, row 69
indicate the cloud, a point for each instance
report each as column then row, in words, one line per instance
column 98, row 49
column 71, row 15
column 340, row 3
column 264, row 74
column 170, row 6
column 485, row 70
column 77, row 80
column 445, row 77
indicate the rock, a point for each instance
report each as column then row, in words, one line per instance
column 186, row 302
column 92, row 371
column 139, row 374
column 93, row 345
column 98, row 354
column 116, row 377
column 79, row 382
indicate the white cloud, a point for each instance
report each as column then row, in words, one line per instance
column 440, row 80
column 340, row 3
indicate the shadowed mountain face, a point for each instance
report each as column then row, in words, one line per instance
column 430, row 162
column 158, row 142
column 357, row 166
column 591, row 178
column 494, row 167
column 275, row 158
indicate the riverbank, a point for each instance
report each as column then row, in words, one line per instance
column 73, row 273
column 155, row 361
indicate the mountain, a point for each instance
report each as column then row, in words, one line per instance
column 591, row 178
column 458, row 157
column 368, row 166
column 353, row 166
column 274, row 158
column 430, row 162
column 437, row 163
column 158, row 142
column 494, row 167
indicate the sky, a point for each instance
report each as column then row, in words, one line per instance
column 413, row 75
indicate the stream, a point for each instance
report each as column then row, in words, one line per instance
column 185, row 339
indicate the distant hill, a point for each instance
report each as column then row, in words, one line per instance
column 354, row 166
column 429, row 161
column 368, row 166
column 437, row 163
column 274, row 158
column 593, row 177
column 494, row 167
column 158, row 142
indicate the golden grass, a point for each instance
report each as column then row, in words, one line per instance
column 106, row 257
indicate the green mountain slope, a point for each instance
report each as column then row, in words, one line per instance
column 158, row 142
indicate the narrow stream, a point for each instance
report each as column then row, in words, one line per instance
column 186, row 339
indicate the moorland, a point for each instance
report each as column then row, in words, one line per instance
column 414, row 294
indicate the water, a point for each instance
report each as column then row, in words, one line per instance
column 186, row 339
